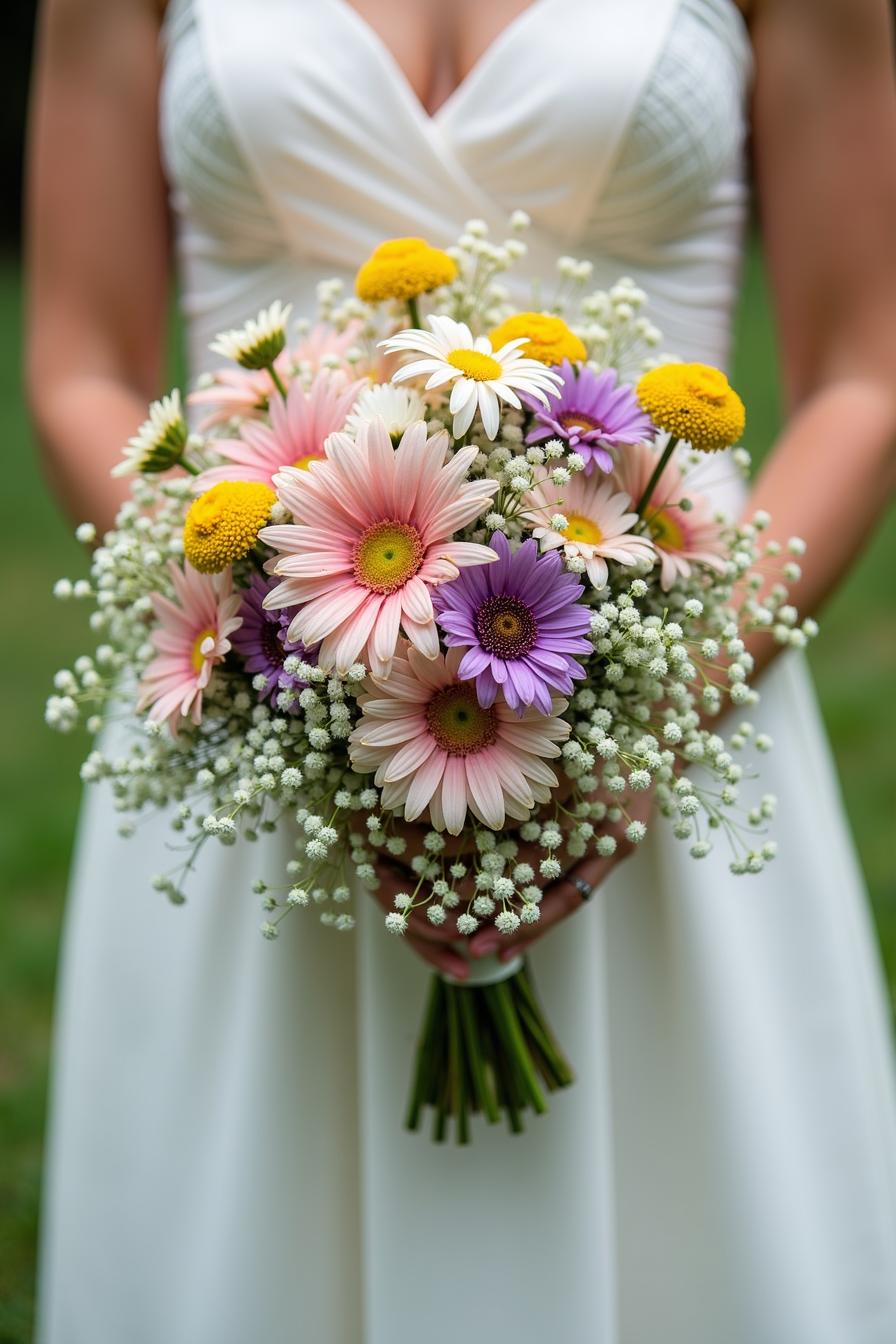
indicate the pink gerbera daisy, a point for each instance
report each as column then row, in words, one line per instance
column 681, row 536
column 433, row 746
column 299, row 426
column 191, row 637
column 371, row 538
column 599, row 522
column 245, row 393
column 238, row 393
column 323, row 344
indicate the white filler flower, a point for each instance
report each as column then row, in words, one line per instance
column 258, row 343
column 159, row 442
column 482, row 377
column 397, row 407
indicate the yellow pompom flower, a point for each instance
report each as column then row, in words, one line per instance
column 694, row 402
column 222, row 525
column 402, row 268
column 548, row 338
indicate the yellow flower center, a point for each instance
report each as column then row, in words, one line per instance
column 474, row 364
column 458, row 723
column 582, row 529
column 578, row 420
column 548, row 338
column 387, row 555
column 694, row 402
column 303, row 463
column 198, row 657
column 223, row 524
column 666, row 532
column 505, row 626
column 402, row 268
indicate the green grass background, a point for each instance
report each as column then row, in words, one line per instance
column 854, row 661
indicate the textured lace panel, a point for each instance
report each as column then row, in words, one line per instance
column 683, row 151
column 212, row 191
column 676, row 201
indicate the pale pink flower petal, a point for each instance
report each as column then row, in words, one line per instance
column 454, row 794
column 382, row 644
column 681, row 537
column 417, row 602
column 409, row 758
column 237, row 393
column 485, row 790
column 440, row 750
column 600, row 523
column 295, row 437
column 192, row 637
column 367, row 530
column 425, row 638
column 424, row 783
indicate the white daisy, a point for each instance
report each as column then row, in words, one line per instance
column 482, row 376
column 159, row 442
column 257, row 343
column 397, row 407
column 598, row 521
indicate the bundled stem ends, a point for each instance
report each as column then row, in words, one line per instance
column 484, row 1049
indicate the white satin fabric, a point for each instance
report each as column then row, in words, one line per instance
column 227, row 1161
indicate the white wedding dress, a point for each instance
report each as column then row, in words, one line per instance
column 227, row 1161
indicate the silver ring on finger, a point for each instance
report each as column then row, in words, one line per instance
column 584, row 888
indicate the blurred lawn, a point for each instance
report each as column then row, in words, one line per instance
column 854, row 661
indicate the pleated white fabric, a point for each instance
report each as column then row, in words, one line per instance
column 226, row 1158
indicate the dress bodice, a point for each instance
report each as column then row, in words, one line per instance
column 294, row 143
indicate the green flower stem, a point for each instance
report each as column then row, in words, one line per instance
column 188, row 466
column 539, row 1047
column 414, row 312
column 439, row 1124
column 276, row 380
column 483, row 1092
column 509, row 1027
column 483, row 1049
column 558, row 1060
column 425, row 1055
column 657, row 473
column 508, row 1094
column 458, row 1089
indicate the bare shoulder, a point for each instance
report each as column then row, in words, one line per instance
column 851, row 20
column 813, row 40
column 94, row 11
column 90, row 35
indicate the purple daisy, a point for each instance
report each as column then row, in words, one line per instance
column 521, row 622
column 263, row 642
column 592, row 414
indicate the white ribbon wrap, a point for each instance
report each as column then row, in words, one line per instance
column 487, row 971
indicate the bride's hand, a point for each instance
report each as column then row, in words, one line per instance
column 440, row 945
column 563, row 897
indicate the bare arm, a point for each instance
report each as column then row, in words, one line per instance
column 825, row 143
column 97, row 241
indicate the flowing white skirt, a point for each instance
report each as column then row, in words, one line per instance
column 227, row 1161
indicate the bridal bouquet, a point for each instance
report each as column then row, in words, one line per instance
column 452, row 568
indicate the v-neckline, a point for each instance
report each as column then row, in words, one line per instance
column 479, row 67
